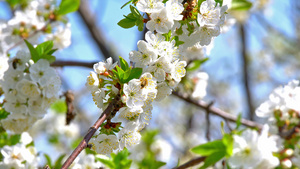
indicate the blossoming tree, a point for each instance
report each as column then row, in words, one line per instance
column 177, row 39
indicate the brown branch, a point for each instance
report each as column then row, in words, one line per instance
column 60, row 63
column 84, row 143
column 218, row 112
column 208, row 121
column 246, row 76
column 191, row 163
column 95, row 31
column 200, row 104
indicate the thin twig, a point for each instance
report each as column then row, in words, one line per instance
column 219, row 112
column 208, row 121
column 60, row 63
column 84, row 143
column 246, row 75
column 191, row 163
column 95, row 31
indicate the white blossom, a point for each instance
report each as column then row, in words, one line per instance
column 160, row 22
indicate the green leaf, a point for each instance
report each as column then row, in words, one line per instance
column 126, row 4
column 48, row 159
column 3, row 113
column 210, row 148
column 212, row 159
column 135, row 12
column 50, row 58
column 106, row 162
column 68, row 6
column 219, row 2
column 228, row 142
column 44, row 47
column 121, row 159
column 196, row 64
column 33, row 52
column 149, row 136
column 60, row 106
column 9, row 140
column 120, row 73
column 240, row 5
column 58, row 162
column 134, row 74
column 238, row 121
column 123, row 63
column 126, row 75
column 126, row 23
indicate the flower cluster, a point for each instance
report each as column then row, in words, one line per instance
column 173, row 32
column 29, row 89
column 282, row 111
column 33, row 20
column 251, row 150
column 21, row 155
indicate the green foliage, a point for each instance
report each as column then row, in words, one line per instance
column 219, row 2
column 14, row 3
column 132, row 19
column 238, row 121
column 240, row 5
column 125, row 73
column 149, row 136
column 215, row 150
column 42, row 51
column 59, row 106
column 48, row 160
column 3, row 113
column 149, row 162
column 8, row 140
column 119, row 160
column 68, row 6
column 195, row 64
column 58, row 163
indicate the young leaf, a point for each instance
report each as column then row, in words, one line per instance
column 135, row 12
column 58, row 162
column 126, row 75
column 126, row 4
column 240, row 5
column 44, row 47
column 209, row 148
column 238, row 121
column 212, row 159
column 33, row 52
column 106, row 162
column 135, row 74
column 59, row 106
column 120, row 73
column 68, row 6
column 126, row 23
column 196, row 64
column 124, row 65
column 48, row 159
column 3, row 113
column 228, row 142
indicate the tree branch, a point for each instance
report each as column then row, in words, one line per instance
column 60, row 63
column 84, row 143
column 218, row 112
column 200, row 104
column 95, row 31
column 191, row 163
column 246, row 76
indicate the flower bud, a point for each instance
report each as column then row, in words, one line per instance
column 124, row 99
column 286, row 163
column 288, row 152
